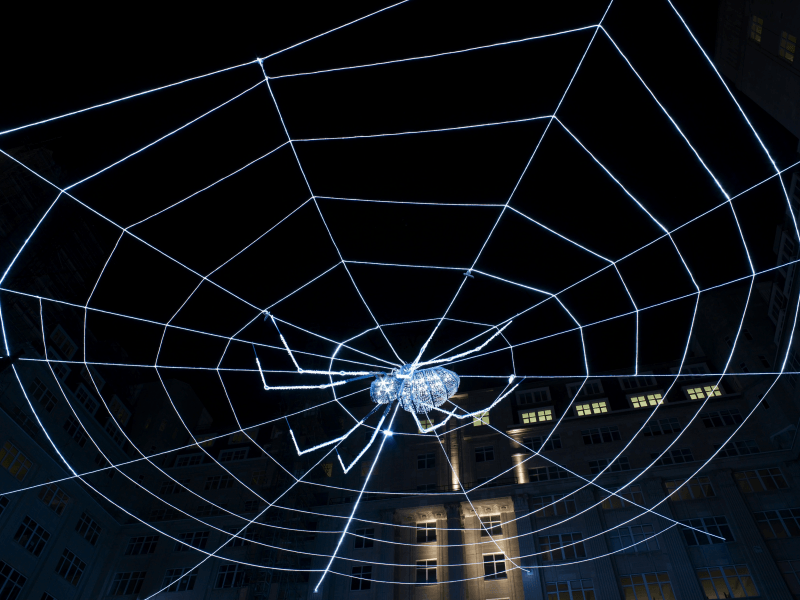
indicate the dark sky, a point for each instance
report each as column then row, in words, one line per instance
column 63, row 62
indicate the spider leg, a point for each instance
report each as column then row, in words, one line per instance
column 462, row 354
column 372, row 439
column 325, row 444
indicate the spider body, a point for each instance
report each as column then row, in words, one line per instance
column 418, row 390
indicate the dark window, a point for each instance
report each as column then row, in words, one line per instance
column 491, row 526
column 764, row 362
column 192, row 539
column 230, row 576
column 3, row 504
column 170, row 486
column 145, row 544
column 11, row 582
column 70, row 567
column 562, row 547
column 126, row 583
column 179, row 580
column 747, row 335
column 31, row 536
column 552, row 506
column 716, row 526
column 361, row 578
column 662, row 427
column 218, row 482
column 428, row 487
column 673, row 457
column 633, row 538
column 484, row 453
column 621, row 464
column 537, row 442
column 45, row 397
column 740, row 448
column 721, row 418
column 365, row 538
column 243, row 537
column 75, row 430
column 426, row 532
column 547, row 473
column 494, row 566
column 54, row 498
column 88, row 529
column 426, row 571
column 601, row 435
column 426, row 461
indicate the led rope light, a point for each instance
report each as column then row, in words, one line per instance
column 579, row 326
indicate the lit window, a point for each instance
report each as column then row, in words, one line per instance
column 756, row 27
column 425, row 424
column 790, row 569
column 361, row 578
column 481, row 419
column 591, row 408
column 788, row 46
column 259, row 478
column 698, row 393
column 205, row 441
column 575, row 589
column 70, row 567
column 237, row 438
column 760, row 480
column 778, row 524
column 633, row 538
column 14, row 461
column 127, row 583
column 623, row 496
column 716, row 526
column 695, row 488
column 648, row 586
column 327, row 468
column 426, row 532
column 494, row 566
column 646, row 400
column 733, row 581
column 537, row 416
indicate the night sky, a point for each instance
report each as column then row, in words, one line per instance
column 64, row 62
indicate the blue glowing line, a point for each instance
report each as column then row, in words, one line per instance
column 163, row 87
column 27, row 239
column 371, row 440
column 440, row 54
column 468, row 352
column 410, row 202
column 143, row 148
column 331, row 31
column 420, row 131
column 200, row 191
column 358, row 500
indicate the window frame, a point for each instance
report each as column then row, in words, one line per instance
column 707, row 524
column 631, row 546
column 426, row 567
column 494, row 560
column 486, row 454
column 426, row 532
column 712, row 579
column 70, row 567
column 543, row 414
column 645, row 400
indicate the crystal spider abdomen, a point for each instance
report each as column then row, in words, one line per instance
column 418, row 390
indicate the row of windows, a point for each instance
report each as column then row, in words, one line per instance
column 189, row 460
column 787, row 44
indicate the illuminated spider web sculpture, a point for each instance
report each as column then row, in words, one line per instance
column 420, row 387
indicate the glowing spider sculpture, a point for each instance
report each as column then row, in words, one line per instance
column 419, row 387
